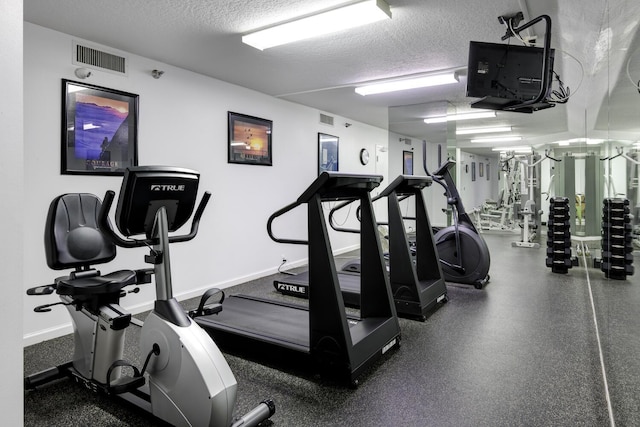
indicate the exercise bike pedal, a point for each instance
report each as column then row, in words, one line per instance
column 206, row 310
column 205, row 307
column 124, row 383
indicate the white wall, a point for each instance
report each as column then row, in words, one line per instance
column 433, row 195
column 11, row 219
column 475, row 193
column 182, row 122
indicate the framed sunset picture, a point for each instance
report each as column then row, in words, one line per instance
column 249, row 140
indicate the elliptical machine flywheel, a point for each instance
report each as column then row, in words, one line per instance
column 463, row 253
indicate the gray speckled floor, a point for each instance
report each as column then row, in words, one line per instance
column 523, row 351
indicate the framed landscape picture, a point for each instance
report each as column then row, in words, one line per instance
column 99, row 129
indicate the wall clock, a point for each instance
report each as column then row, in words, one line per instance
column 364, row 156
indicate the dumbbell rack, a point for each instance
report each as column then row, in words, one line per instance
column 559, row 236
column 617, row 239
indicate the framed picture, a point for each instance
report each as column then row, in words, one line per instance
column 407, row 162
column 480, row 170
column 473, row 171
column 327, row 152
column 249, row 140
column 488, row 171
column 99, row 129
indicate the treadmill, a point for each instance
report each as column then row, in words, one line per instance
column 332, row 342
column 417, row 282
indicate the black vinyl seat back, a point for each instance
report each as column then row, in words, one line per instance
column 72, row 237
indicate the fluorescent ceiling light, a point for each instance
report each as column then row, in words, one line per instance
column 522, row 149
column 472, row 131
column 461, row 116
column 588, row 141
column 497, row 139
column 350, row 16
column 408, row 83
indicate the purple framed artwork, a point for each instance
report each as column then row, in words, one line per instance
column 99, row 129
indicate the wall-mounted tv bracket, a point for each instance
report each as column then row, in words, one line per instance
column 513, row 30
column 511, row 22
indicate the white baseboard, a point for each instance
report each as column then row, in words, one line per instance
column 47, row 334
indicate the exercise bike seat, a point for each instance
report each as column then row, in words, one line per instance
column 92, row 285
column 73, row 240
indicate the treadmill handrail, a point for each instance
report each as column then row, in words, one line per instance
column 416, row 182
column 344, row 229
column 105, row 226
column 279, row 213
column 324, row 186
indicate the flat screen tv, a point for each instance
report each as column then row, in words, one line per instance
column 508, row 77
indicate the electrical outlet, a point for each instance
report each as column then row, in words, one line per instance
column 284, row 259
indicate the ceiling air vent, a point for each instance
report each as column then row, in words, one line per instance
column 99, row 59
column 327, row 120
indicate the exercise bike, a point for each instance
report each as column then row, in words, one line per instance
column 185, row 380
column 463, row 253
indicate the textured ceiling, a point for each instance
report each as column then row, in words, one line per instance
column 593, row 38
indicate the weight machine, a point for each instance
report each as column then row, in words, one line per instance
column 632, row 188
column 498, row 215
column 529, row 212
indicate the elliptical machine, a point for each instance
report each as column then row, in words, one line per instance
column 463, row 253
column 185, row 380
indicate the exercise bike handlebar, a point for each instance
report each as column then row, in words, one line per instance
column 279, row 213
column 105, row 226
